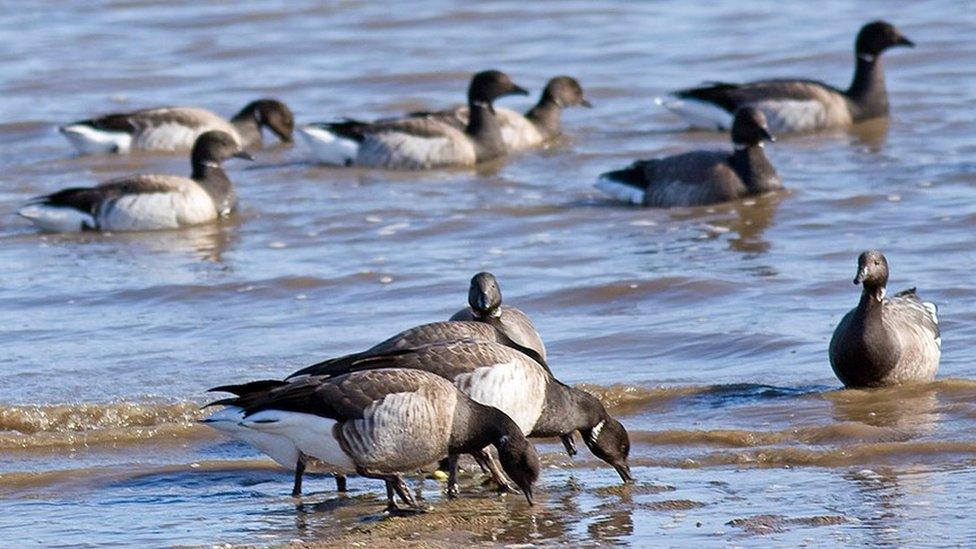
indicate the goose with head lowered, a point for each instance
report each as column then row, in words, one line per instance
column 507, row 379
column 147, row 202
column 541, row 124
column 177, row 128
column 701, row 177
column 485, row 305
column 885, row 340
column 381, row 423
column 796, row 105
column 419, row 143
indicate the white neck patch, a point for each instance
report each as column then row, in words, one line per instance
column 211, row 164
column 595, row 432
column 867, row 57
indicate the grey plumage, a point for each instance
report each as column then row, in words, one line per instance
column 885, row 340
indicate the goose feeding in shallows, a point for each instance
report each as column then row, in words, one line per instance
column 516, row 384
column 885, row 340
column 146, row 202
column 418, row 143
column 701, row 177
column 177, row 128
column 542, row 123
column 380, row 423
column 485, row 305
column 798, row 105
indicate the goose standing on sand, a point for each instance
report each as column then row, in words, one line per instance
column 177, row 128
column 701, row 177
column 147, row 202
column 541, row 124
column 384, row 422
column 514, row 383
column 800, row 105
column 419, row 143
column 885, row 340
column 485, row 305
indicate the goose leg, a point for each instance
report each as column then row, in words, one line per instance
column 452, row 483
column 569, row 442
column 340, row 482
column 487, row 461
column 394, row 485
column 299, row 473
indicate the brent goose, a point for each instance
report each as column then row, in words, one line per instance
column 418, row 143
column 380, row 423
column 513, row 382
column 147, row 202
column 177, row 128
column 485, row 305
column 885, row 340
column 701, row 177
column 542, row 123
column 794, row 105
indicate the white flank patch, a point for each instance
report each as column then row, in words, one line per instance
column 698, row 114
column 56, row 218
column 620, row 191
column 933, row 310
column 312, row 434
column 158, row 211
column 169, row 136
column 510, row 388
column 88, row 140
column 277, row 447
column 329, row 148
column 788, row 115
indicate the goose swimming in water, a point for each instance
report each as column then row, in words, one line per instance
column 885, row 340
column 542, row 123
column 699, row 178
column 419, row 143
column 146, row 202
column 796, row 105
column 177, row 128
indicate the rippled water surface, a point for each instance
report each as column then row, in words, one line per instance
column 705, row 329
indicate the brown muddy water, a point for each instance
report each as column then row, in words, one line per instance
column 705, row 329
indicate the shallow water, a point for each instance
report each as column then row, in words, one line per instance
column 705, row 329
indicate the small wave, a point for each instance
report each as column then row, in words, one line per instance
column 25, row 427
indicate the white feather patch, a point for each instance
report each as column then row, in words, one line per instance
column 620, row 191
column 788, row 115
column 328, row 147
column 169, row 136
column 190, row 205
column 508, row 386
column 933, row 310
column 88, row 140
column 277, row 447
column 312, row 434
column 57, row 218
column 698, row 114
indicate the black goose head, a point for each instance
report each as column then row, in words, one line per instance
column 750, row 128
column 520, row 461
column 213, row 147
column 487, row 86
column 565, row 91
column 609, row 441
column 274, row 115
column 484, row 296
column 872, row 270
column 876, row 37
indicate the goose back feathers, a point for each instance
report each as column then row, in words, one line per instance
column 798, row 105
column 701, row 177
column 146, row 202
column 885, row 340
column 177, row 128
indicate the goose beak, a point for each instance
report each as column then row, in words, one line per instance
column 766, row 135
column 244, row 155
column 624, row 471
column 586, row 103
column 903, row 41
column 518, row 90
column 860, row 277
